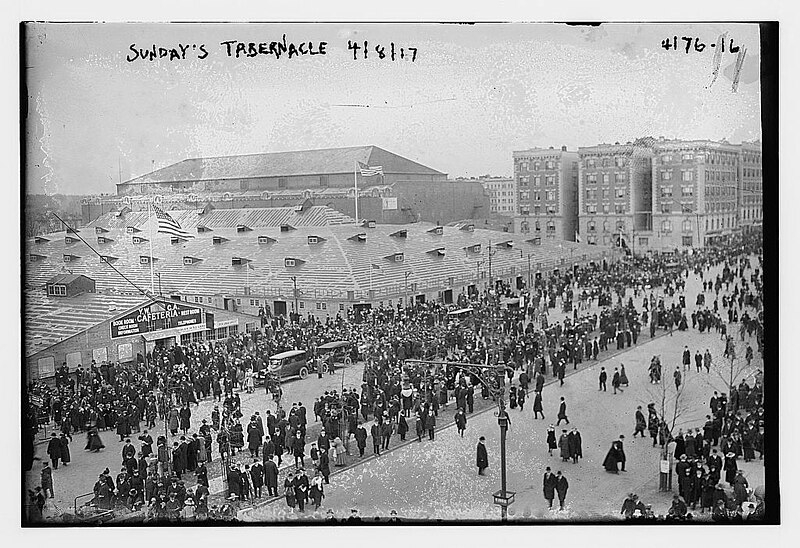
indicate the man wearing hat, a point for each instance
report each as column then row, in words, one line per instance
column 561, row 488
column 54, row 449
column 549, row 486
column 482, row 456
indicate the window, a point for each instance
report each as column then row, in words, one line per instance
column 239, row 301
column 144, row 259
column 687, row 175
column 302, row 304
column 341, row 306
column 592, row 226
column 666, row 175
column 289, row 263
column 666, row 192
column 666, row 226
column 591, row 194
column 606, row 208
column 537, row 166
column 620, row 226
column 551, row 195
column 619, row 177
column 550, row 164
column 591, row 178
column 605, row 162
column 606, row 193
column 606, row 178
column 187, row 260
column 324, row 181
column 666, row 158
column 313, row 240
column 57, row 289
column 687, row 207
column 319, row 306
column 525, row 195
column 606, row 240
column 198, row 299
column 551, row 226
column 620, row 162
column 644, row 241
column 592, row 240
column 538, row 226
column 620, row 192
column 537, row 195
column 551, row 209
column 550, row 180
column 619, row 208
column 399, row 257
column 591, row 208
column 281, row 183
column 244, row 185
column 537, row 180
column 666, row 208
column 686, row 240
column 687, row 158
column 590, row 162
column 606, row 226
column 252, row 302
column 687, row 225
column 687, row 190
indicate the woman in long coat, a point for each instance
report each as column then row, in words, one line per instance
column 288, row 490
column 340, row 452
column 612, row 459
column 173, row 421
column 623, row 378
column 537, row 405
column 317, row 490
column 563, row 444
column 551, row 440
column 65, row 456
column 730, row 468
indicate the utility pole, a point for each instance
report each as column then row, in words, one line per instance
column 296, row 309
column 490, row 265
column 405, row 298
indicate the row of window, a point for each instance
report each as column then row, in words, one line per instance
column 537, row 195
column 686, row 191
column 751, row 172
column 536, row 166
column 606, row 208
column 669, row 207
column 549, row 180
column 686, row 158
column 525, row 209
column 591, row 193
column 592, row 226
column 619, row 177
column 606, row 162
column 686, row 175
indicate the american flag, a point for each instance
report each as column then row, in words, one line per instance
column 369, row 171
column 168, row 225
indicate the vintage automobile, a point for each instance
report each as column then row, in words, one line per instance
column 333, row 354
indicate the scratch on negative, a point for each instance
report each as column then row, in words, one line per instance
column 738, row 69
column 717, row 58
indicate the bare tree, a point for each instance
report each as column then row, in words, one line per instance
column 733, row 367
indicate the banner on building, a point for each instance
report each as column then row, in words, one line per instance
column 156, row 317
column 125, row 352
column 100, row 355
column 390, row 203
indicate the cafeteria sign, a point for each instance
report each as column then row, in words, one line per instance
column 155, row 317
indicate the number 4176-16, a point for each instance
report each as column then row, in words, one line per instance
column 688, row 42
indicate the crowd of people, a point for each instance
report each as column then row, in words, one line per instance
column 396, row 395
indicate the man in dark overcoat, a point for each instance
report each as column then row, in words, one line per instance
column 54, row 450
column 271, row 477
column 482, row 456
column 561, row 488
column 549, row 486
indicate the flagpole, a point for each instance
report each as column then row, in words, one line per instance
column 152, row 276
column 355, row 187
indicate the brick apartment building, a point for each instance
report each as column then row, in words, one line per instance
column 546, row 181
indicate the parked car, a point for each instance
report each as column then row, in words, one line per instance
column 292, row 363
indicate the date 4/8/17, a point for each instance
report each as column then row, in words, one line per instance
column 672, row 43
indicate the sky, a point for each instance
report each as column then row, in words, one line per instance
column 474, row 94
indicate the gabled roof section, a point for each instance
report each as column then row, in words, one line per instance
column 437, row 230
column 266, row 240
column 437, row 252
column 400, row 234
column 65, row 278
column 40, row 240
column 283, row 164
column 100, row 230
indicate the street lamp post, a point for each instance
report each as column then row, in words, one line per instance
column 405, row 290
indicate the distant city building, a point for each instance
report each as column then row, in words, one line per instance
column 502, row 195
column 546, row 184
column 695, row 192
column 615, row 196
column 751, row 200
column 407, row 191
